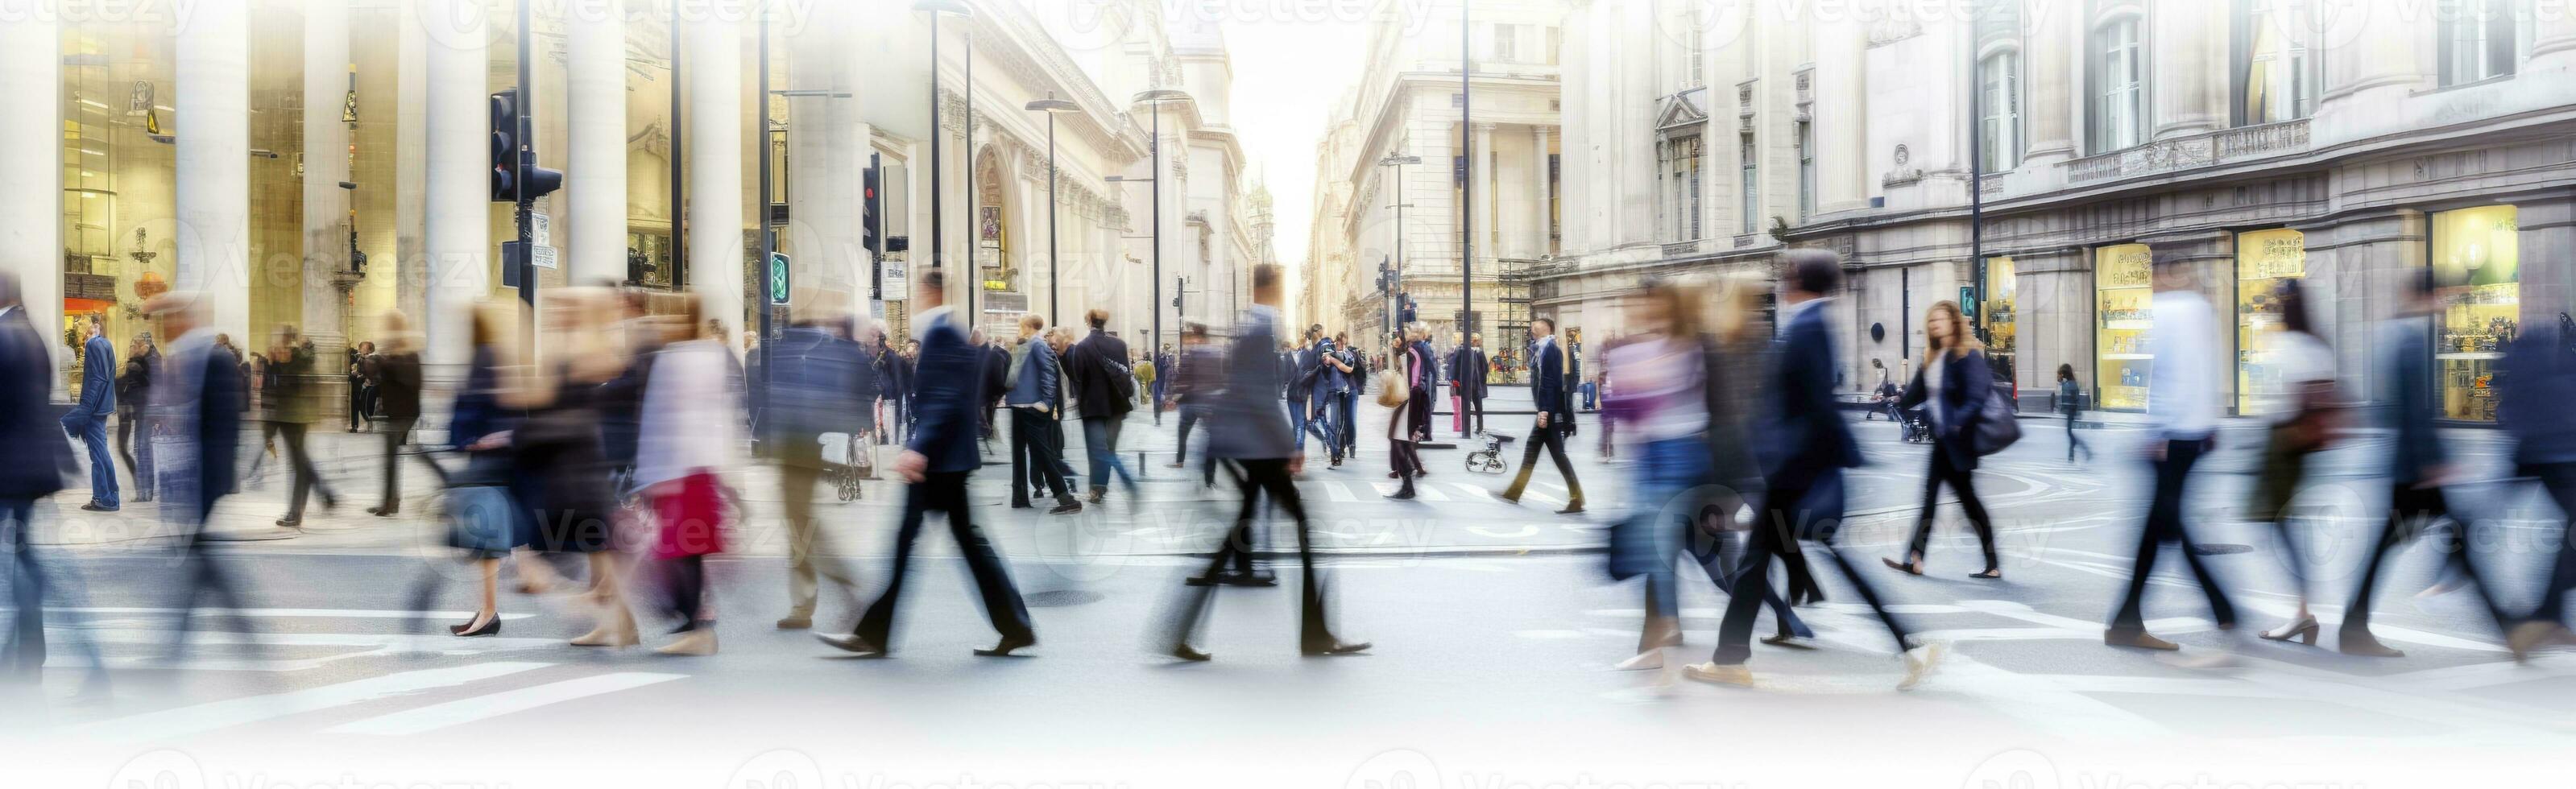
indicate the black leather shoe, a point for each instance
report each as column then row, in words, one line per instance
column 852, row 644
column 491, row 627
column 1007, row 646
column 1331, row 648
column 1185, row 652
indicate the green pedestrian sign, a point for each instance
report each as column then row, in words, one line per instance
column 779, row 279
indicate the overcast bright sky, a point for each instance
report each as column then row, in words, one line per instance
column 1287, row 74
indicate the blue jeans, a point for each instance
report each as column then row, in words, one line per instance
column 1100, row 441
column 1316, row 419
column 92, row 432
column 1348, row 401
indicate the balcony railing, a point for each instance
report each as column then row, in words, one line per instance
column 2226, row 146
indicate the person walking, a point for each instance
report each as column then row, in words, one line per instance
column 87, row 420
column 361, row 374
column 2419, row 467
column 1555, row 417
column 2070, row 401
column 1805, row 448
column 2539, row 378
column 133, row 394
column 934, row 466
column 490, row 494
column 198, row 401
column 1952, row 386
column 1104, row 390
column 691, row 421
column 1034, row 377
column 1308, row 416
column 1195, row 388
column 1407, row 394
column 1352, row 376
column 2301, row 406
column 1268, row 456
column 293, row 409
column 557, row 448
column 38, row 456
column 398, row 385
column 996, row 380
column 813, row 392
column 2182, row 410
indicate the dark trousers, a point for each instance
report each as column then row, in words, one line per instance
column 1785, row 520
column 1476, row 406
column 397, row 432
column 1964, row 482
column 2074, row 444
column 2411, row 512
column 207, row 578
column 1346, row 418
column 2560, row 480
column 1550, row 438
column 945, row 492
column 688, row 590
column 1191, row 414
column 1260, row 477
column 26, row 652
column 1408, row 462
column 1033, row 457
column 128, row 423
column 2165, row 525
column 307, row 477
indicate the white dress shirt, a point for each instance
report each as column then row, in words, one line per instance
column 2182, row 400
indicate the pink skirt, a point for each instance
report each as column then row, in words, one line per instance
column 692, row 518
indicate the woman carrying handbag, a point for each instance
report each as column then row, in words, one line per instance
column 1954, row 381
column 691, row 422
column 1401, row 388
column 2303, row 411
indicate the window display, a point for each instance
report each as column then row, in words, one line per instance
column 2264, row 259
column 2478, row 282
column 1998, row 310
column 2124, row 298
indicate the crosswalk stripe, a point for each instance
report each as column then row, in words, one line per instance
column 275, row 613
column 1542, row 497
column 493, row 705
column 1472, row 492
column 1335, row 491
column 209, row 716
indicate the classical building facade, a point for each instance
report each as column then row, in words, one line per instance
column 258, row 150
column 1393, row 175
column 2346, row 144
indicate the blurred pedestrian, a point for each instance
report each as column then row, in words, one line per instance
column 1665, row 403
column 1348, row 375
column 133, row 395
column 691, row 422
column 1306, row 389
column 398, row 386
column 485, row 503
column 1555, row 405
column 994, row 372
column 813, row 392
column 1034, row 379
column 2070, row 401
column 934, row 466
column 292, row 409
column 1951, row 386
column 2182, row 410
column 198, row 402
column 1268, row 456
column 1195, row 387
column 2419, row 467
column 557, row 448
column 1407, row 396
column 87, row 420
column 361, row 374
column 2301, row 406
column 38, row 459
column 1805, row 446
column 2539, row 378
column 1105, row 391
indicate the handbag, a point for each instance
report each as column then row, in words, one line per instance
column 1392, row 391
column 1997, row 424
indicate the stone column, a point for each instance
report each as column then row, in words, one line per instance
column 2052, row 80
column 2547, row 244
column 212, row 123
column 715, row 120
column 2188, row 60
column 1540, row 200
column 326, row 206
column 2370, row 74
column 1482, row 172
column 2056, row 300
column 2553, row 42
column 31, row 187
column 822, row 174
column 411, row 166
column 458, row 209
column 595, row 167
column 1842, row 156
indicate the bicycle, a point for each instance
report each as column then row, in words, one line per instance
column 1490, row 459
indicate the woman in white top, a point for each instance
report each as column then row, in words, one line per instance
column 2301, row 405
column 685, row 441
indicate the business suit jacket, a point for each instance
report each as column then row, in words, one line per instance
column 98, row 379
column 200, row 399
column 1467, row 372
column 997, row 374
column 946, row 426
column 2407, row 358
column 1090, row 365
column 1805, row 437
column 1965, row 384
column 1250, row 426
column 1547, row 377
column 28, row 431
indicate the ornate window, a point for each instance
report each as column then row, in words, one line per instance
column 1999, row 78
column 1806, row 169
column 2276, row 72
column 2117, row 74
column 1750, row 177
column 1683, row 158
column 2476, row 40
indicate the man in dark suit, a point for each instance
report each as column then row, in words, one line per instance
column 1804, row 447
column 1268, row 456
column 997, row 380
column 1548, row 394
column 813, row 390
column 1097, row 367
column 38, row 455
column 87, row 421
column 2418, row 468
column 199, row 401
column 935, row 462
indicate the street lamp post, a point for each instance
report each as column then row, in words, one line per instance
column 1466, row 190
column 1157, row 98
column 1052, row 106
column 1397, row 162
column 938, row 128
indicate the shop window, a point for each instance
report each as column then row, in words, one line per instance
column 2477, row 275
column 2124, row 300
column 2264, row 260
column 1999, row 315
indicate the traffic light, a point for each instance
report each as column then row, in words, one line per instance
column 871, row 220
column 510, row 151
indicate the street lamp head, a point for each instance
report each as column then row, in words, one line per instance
column 1161, row 96
column 943, row 7
column 1392, row 159
column 1053, row 106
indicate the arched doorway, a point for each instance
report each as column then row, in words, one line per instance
column 1002, row 296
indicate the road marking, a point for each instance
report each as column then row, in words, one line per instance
column 279, row 613
column 209, row 716
column 493, row 705
column 1334, row 491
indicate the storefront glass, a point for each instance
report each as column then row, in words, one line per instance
column 2123, row 297
column 2476, row 271
column 2264, row 260
column 1999, row 314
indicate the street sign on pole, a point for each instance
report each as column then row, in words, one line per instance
column 542, row 233
column 780, row 279
column 545, row 255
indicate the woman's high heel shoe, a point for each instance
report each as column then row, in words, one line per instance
column 490, row 627
column 2304, row 630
